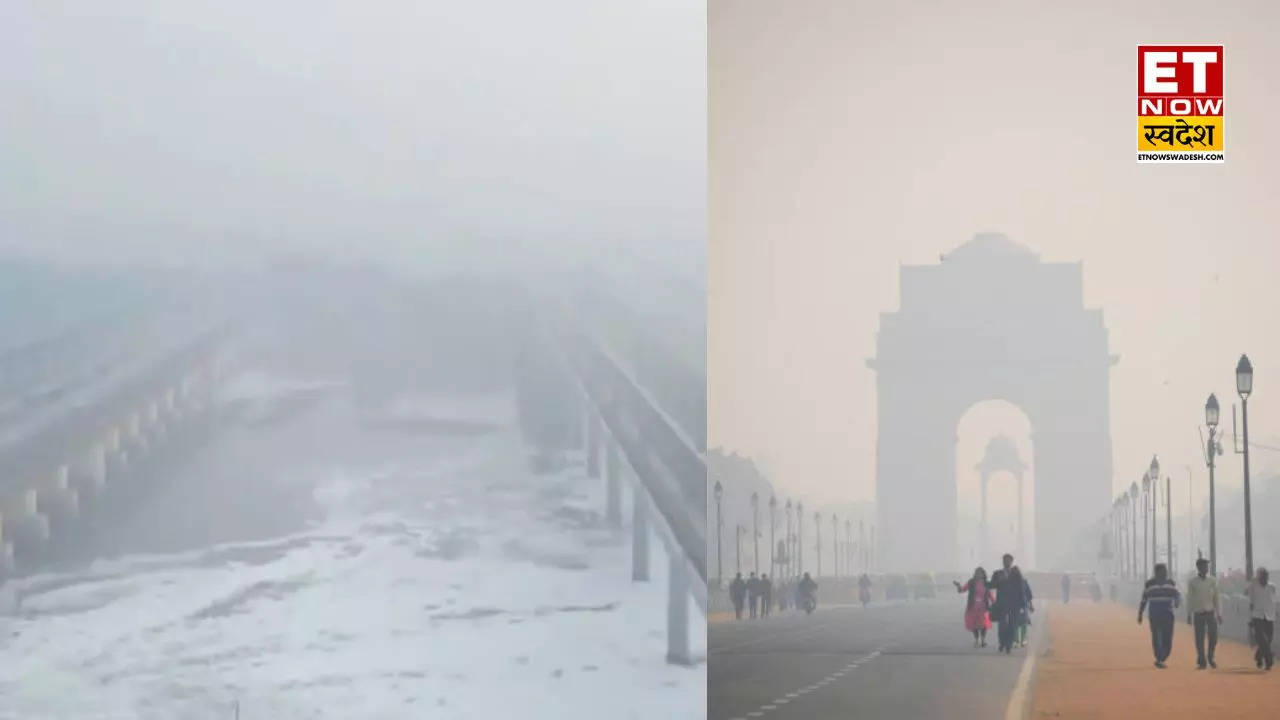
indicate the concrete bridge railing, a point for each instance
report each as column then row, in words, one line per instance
column 54, row 471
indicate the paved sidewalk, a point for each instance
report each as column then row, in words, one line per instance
column 1098, row 664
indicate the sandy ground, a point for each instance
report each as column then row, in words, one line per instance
column 1099, row 665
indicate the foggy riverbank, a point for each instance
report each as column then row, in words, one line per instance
column 317, row 560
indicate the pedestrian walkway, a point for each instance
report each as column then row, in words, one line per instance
column 1099, row 665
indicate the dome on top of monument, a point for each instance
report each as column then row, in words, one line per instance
column 989, row 245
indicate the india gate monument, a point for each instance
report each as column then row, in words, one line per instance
column 990, row 321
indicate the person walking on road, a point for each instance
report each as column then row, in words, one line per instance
column 976, row 618
column 1204, row 607
column 1066, row 588
column 1160, row 597
column 753, row 594
column 1024, row 617
column 996, row 609
column 1262, row 616
column 1010, row 602
column 766, row 595
column 737, row 594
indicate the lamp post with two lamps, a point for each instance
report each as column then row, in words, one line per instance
column 1212, row 449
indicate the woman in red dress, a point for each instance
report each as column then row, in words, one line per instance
column 976, row 619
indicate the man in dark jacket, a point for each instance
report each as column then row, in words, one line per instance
column 738, row 594
column 1011, row 602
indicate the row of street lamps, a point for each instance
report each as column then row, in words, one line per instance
column 1124, row 524
column 791, row 553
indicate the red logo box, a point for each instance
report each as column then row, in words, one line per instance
column 1180, row 103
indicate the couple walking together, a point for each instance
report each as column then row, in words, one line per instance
column 1010, row 607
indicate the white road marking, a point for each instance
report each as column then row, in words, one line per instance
column 816, row 686
column 1016, row 710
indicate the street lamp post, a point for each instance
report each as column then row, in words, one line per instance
column 773, row 521
column 1244, row 386
column 865, row 560
column 755, row 529
column 835, row 546
column 1122, row 503
column 1155, row 493
column 799, row 537
column 817, row 540
column 737, row 546
column 848, row 544
column 1115, row 537
column 791, row 548
column 719, row 493
column 1211, row 419
column 1133, row 524
column 1146, row 522
column 1116, row 534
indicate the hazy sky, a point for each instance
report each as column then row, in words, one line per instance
column 850, row 137
column 399, row 129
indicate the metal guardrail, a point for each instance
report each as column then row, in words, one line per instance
column 656, row 363
column 664, row 458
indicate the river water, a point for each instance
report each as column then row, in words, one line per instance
column 315, row 561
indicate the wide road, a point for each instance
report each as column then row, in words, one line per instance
column 909, row 661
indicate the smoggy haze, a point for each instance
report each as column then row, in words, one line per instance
column 850, row 138
column 422, row 133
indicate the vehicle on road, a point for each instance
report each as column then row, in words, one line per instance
column 809, row 603
column 864, row 595
column 895, row 588
column 922, row 586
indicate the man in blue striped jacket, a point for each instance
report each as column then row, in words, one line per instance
column 1160, row 598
